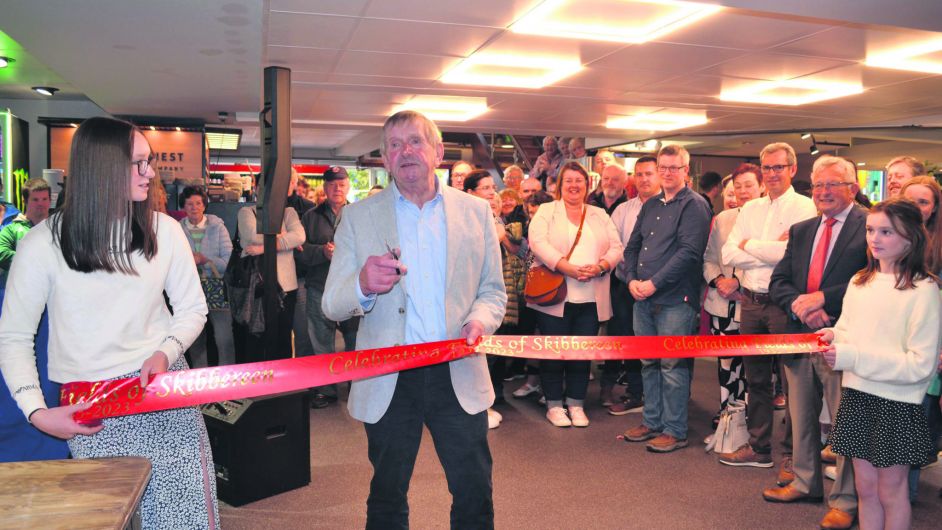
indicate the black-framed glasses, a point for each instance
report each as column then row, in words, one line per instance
column 669, row 169
column 777, row 168
column 143, row 165
column 818, row 186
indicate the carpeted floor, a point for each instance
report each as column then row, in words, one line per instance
column 546, row 477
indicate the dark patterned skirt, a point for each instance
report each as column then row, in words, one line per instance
column 881, row 431
column 182, row 488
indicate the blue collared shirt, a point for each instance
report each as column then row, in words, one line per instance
column 423, row 250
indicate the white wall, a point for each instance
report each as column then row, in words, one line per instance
column 32, row 109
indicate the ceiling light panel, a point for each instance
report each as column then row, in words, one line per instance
column 922, row 57
column 446, row 108
column 627, row 21
column 800, row 91
column 666, row 120
column 511, row 70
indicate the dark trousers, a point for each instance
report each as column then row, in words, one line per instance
column 254, row 348
column 578, row 320
column 761, row 319
column 622, row 325
column 426, row 396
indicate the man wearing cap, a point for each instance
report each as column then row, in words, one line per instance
column 420, row 262
column 316, row 254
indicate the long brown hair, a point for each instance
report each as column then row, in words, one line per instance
column 99, row 226
column 934, row 223
column 906, row 219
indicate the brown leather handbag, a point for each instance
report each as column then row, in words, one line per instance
column 546, row 287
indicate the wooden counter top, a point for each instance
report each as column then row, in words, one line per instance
column 71, row 494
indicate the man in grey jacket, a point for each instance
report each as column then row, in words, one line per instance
column 420, row 262
column 319, row 224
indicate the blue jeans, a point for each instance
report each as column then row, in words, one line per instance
column 322, row 332
column 666, row 381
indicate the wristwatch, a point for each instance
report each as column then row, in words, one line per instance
column 602, row 270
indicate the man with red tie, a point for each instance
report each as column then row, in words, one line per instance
column 822, row 256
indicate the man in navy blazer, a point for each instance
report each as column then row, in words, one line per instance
column 809, row 285
column 420, row 262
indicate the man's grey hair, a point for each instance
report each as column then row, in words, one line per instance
column 428, row 127
column 826, row 161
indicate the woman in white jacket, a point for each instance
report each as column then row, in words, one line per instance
column 580, row 241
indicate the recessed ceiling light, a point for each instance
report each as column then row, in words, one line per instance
column 521, row 71
column 446, row 108
column 45, row 90
column 629, row 21
column 861, row 163
column 178, row 129
column 658, row 121
column 915, row 57
column 6, row 61
column 800, row 91
column 805, row 136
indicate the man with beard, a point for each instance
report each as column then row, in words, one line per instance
column 611, row 192
column 899, row 171
column 420, row 262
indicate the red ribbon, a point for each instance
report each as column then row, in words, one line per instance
column 185, row 388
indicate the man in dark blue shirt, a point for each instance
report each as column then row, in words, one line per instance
column 664, row 260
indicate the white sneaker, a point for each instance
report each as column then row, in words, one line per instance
column 557, row 416
column 526, row 390
column 830, row 472
column 493, row 419
column 579, row 419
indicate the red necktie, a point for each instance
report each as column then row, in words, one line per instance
column 820, row 257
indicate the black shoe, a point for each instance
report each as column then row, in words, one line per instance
column 320, row 401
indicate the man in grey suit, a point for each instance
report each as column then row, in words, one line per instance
column 822, row 255
column 420, row 262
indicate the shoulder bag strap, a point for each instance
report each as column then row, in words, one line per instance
column 578, row 232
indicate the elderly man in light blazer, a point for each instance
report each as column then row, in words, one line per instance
column 420, row 262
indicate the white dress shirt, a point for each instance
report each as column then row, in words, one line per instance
column 625, row 216
column 762, row 222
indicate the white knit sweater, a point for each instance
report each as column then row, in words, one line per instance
column 887, row 339
column 101, row 325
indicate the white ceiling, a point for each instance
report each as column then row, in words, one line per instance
column 353, row 61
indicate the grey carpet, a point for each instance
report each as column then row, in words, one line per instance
column 546, row 477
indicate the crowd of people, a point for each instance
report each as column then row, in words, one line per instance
column 640, row 253
column 770, row 261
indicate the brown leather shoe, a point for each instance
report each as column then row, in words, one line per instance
column 665, row 443
column 640, row 433
column 785, row 473
column 788, row 494
column 837, row 519
column 828, row 456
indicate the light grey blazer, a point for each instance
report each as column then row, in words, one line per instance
column 475, row 291
column 715, row 304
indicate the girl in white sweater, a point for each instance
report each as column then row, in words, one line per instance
column 886, row 342
column 102, row 266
